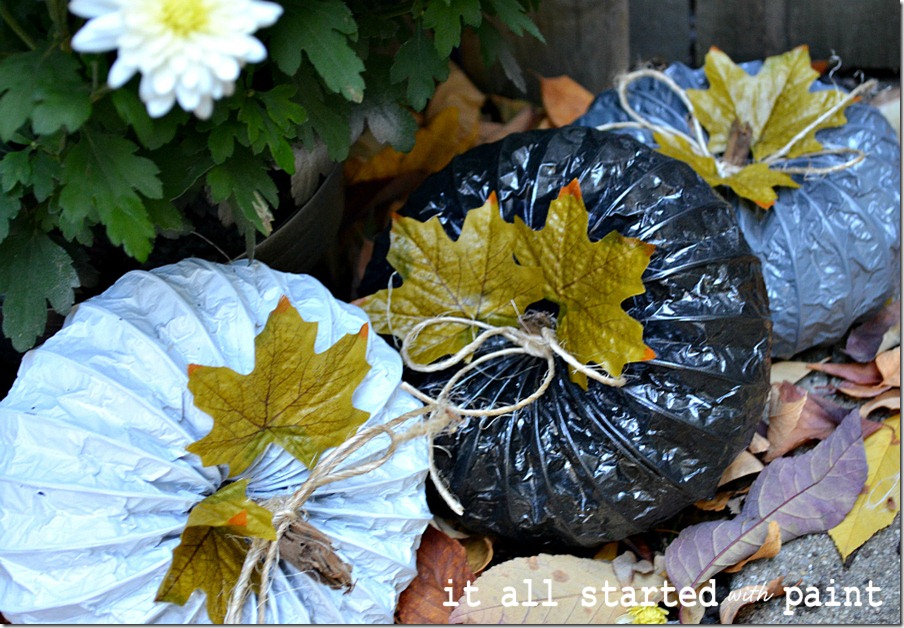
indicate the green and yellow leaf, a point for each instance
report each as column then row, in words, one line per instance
column 211, row 551
column 588, row 281
column 474, row 277
column 776, row 102
column 878, row 504
column 294, row 398
column 755, row 181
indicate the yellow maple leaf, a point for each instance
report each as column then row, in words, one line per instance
column 211, row 551
column 295, row 398
column 473, row 277
column 755, row 181
column 776, row 102
column 877, row 504
column 588, row 281
column 751, row 120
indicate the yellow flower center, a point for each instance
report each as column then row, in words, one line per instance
column 184, row 17
column 648, row 614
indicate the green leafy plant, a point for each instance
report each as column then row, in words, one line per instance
column 89, row 149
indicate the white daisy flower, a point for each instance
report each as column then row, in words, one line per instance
column 190, row 51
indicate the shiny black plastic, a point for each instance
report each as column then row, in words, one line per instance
column 581, row 467
column 830, row 249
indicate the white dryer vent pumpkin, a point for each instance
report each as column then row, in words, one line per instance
column 97, row 485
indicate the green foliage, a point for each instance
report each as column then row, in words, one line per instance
column 79, row 160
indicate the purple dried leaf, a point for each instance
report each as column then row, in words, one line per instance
column 864, row 340
column 808, row 493
column 812, row 492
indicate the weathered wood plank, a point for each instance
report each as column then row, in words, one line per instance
column 660, row 28
column 864, row 33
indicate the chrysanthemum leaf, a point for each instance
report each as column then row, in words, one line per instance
column 45, row 88
column 33, row 271
column 322, row 30
column 418, row 63
column 104, row 179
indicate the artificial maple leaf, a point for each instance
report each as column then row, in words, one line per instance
column 295, row 398
column 588, row 281
column 776, row 103
column 754, row 181
column 752, row 119
column 474, row 277
column 210, row 553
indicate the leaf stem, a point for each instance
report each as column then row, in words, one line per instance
column 16, row 27
column 57, row 10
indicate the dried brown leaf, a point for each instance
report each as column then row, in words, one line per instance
column 441, row 562
column 745, row 464
column 861, row 392
column 890, row 399
column 758, row 444
column 789, row 371
column 480, row 552
column 564, row 99
column 862, row 374
column 889, row 365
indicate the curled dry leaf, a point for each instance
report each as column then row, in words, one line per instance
column 745, row 464
column 566, row 590
column 890, row 399
column 441, row 562
column 862, row 374
column 750, row 594
column 798, row 416
column 889, row 365
column 758, row 444
column 877, row 504
column 789, row 371
column 479, row 551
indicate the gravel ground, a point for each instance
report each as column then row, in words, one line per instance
column 815, row 561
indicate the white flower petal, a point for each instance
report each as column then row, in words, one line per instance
column 99, row 35
column 120, row 73
column 204, row 108
column 164, row 80
column 225, row 68
column 160, row 105
column 265, row 13
column 188, row 98
column 93, row 8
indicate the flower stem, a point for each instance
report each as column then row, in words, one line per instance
column 16, row 27
column 57, row 11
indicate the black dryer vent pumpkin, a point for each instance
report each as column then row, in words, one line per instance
column 576, row 467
